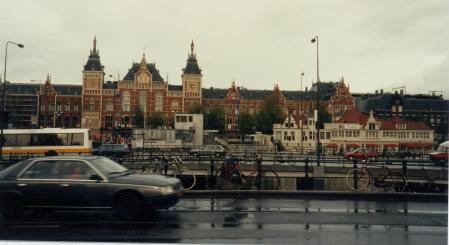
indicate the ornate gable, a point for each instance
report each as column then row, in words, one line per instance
column 143, row 75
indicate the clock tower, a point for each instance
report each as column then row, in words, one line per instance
column 93, row 77
column 191, row 81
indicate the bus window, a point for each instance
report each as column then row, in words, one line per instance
column 62, row 138
column 24, row 140
column 78, row 139
column 10, row 139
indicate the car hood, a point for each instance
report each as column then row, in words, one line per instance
column 137, row 179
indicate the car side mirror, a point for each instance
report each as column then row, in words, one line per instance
column 95, row 177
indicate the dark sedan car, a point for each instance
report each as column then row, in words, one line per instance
column 114, row 150
column 83, row 183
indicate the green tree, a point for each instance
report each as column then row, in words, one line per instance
column 246, row 124
column 170, row 121
column 324, row 117
column 196, row 108
column 214, row 118
column 138, row 118
column 155, row 119
column 269, row 114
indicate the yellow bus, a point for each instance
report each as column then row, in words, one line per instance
column 49, row 141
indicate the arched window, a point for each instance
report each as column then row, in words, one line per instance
column 159, row 101
column 143, row 101
column 126, row 101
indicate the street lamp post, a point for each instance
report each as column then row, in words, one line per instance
column 301, row 116
column 318, row 146
column 2, row 126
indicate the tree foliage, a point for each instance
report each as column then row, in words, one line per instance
column 270, row 113
column 246, row 123
column 138, row 117
column 214, row 118
column 155, row 119
column 324, row 117
column 196, row 108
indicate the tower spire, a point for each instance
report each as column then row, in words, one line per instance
column 95, row 44
column 192, row 47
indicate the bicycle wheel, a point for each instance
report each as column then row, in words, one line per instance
column 362, row 179
column 394, row 182
column 268, row 180
column 225, row 180
column 187, row 177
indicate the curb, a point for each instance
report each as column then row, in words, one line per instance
column 322, row 195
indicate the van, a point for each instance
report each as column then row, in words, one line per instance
column 440, row 155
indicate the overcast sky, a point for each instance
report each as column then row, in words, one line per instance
column 374, row 44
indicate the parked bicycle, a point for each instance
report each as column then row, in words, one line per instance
column 229, row 176
column 360, row 179
column 172, row 167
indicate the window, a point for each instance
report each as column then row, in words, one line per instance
column 108, row 123
column 109, row 105
column 43, row 170
column 143, row 101
column 42, row 107
column 91, row 104
column 159, row 100
column 66, row 122
column 67, row 107
column 190, row 118
column 75, row 107
column 126, row 101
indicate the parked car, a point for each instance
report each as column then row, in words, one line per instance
column 83, row 183
column 441, row 154
column 362, row 154
column 116, row 150
column 208, row 150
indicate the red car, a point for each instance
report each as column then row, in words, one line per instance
column 440, row 155
column 362, row 154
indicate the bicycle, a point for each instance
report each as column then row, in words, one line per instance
column 360, row 179
column 230, row 175
column 173, row 167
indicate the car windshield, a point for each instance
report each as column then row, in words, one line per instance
column 442, row 148
column 107, row 166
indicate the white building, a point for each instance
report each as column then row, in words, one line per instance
column 189, row 128
column 354, row 130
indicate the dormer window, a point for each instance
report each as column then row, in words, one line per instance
column 401, row 126
column 371, row 126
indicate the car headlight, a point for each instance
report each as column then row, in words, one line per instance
column 166, row 190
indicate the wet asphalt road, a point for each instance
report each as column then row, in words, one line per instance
column 249, row 220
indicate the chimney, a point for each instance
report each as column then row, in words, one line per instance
column 401, row 92
column 376, row 92
column 381, row 91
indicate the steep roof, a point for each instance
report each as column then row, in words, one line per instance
column 214, row 93
column 110, row 85
column 22, row 88
column 32, row 89
column 384, row 102
column 409, row 125
column 68, row 89
column 93, row 62
column 174, row 87
column 353, row 116
column 151, row 68
column 192, row 64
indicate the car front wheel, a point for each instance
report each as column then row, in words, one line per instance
column 129, row 207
